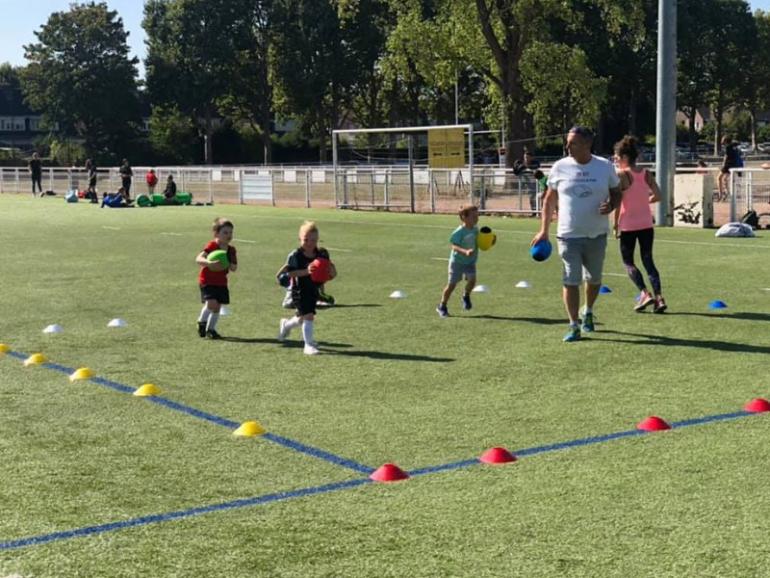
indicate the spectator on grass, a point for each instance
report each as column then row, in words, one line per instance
column 151, row 179
column 36, row 173
column 170, row 191
column 91, row 169
column 126, row 176
column 633, row 221
column 587, row 189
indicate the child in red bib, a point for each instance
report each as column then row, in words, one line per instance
column 213, row 278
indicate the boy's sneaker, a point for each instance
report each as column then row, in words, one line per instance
column 288, row 301
column 325, row 298
column 201, row 329
column 588, row 322
column 660, row 305
column 467, row 305
column 573, row 334
column 211, row 334
column 284, row 331
column 645, row 300
column 310, row 349
column 442, row 310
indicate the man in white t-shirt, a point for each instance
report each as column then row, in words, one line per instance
column 587, row 189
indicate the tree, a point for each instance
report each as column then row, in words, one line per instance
column 81, row 78
column 564, row 89
column 195, row 53
column 173, row 135
column 756, row 92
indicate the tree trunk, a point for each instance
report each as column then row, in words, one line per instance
column 208, row 132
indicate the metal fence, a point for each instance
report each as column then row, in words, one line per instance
column 368, row 187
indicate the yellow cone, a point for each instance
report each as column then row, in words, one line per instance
column 81, row 374
column 249, row 429
column 34, row 359
column 147, row 390
column 4, row 348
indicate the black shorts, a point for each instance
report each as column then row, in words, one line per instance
column 221, row 294
column 305, row 302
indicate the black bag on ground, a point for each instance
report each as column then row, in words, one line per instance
column 751, row 218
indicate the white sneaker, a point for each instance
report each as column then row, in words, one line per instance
column 284, row 331
column 311, row 350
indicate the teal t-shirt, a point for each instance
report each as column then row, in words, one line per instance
column 467, row 239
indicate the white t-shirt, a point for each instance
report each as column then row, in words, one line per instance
column 582, row 188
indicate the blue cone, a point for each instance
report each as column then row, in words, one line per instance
column 605, row 289
column 717, row 304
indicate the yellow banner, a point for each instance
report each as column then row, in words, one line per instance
column 446, row 148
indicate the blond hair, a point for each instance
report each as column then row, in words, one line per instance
column 220, row 223
column 308, row 227
column 466, row 210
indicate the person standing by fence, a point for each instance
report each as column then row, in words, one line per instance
column 36, row 173
column 126, row 175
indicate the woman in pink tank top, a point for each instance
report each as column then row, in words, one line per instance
column 633, row 221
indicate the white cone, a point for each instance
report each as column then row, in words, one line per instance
column 523, row 285
column 117, row 323
column 55, row 328
column 481, row 289
column 398, row 295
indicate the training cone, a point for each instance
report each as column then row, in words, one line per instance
column 497, row 456
column 4, row 348
column 757, row 405
column 480, row 289
column 523, row 285
column 147, row 390
column 605, row 289
column 388, row 473
column 55, row 328
column 398, row 295
column 117, row 323
column 249, row 429
column 34, row 359
column 653, row 423
column 81, row 374
column 717, row 304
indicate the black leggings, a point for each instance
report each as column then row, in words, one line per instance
column 627, row 247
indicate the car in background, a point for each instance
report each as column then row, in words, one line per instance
column 764, row 147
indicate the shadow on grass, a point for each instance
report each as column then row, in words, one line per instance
column 274, row 341
column 644, row 339
column 347, row 305
column 535, row 320
column 383, row 355
column 742, row 315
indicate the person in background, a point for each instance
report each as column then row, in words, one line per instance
column 126, row 176
column 731, row 160
column 91, row 169
column 151, row 179
column 527, row 168
column 36, row 173
column 170, row 191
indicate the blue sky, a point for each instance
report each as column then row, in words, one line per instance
column 20, row 18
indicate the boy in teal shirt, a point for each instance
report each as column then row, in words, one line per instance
column 462, row 259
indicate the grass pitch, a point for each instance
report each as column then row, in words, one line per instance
column 394, row 384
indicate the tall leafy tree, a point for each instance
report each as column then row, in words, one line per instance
column 756, row 92
column 194, row 49
column 80, row 76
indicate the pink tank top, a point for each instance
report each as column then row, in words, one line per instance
column 635, row 212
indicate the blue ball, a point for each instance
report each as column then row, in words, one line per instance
column 541, row 250
column 284, row 280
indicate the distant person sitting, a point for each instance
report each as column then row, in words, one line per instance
column 36, row 173
column 116, row 200
column 151, row 179
column 170, row 191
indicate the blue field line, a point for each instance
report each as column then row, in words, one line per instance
column 230, row 424
column 711, row 418
column 179, row 514
column 315, row 452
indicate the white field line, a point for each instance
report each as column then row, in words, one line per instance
column 616, row 274
column 111, row 228
column 340, row 250
column 439, row 258
column 244, row 241
column 173, row 234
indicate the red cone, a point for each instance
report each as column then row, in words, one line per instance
column 497, row 456
column 653, row 423
column 389, row 473
column 757, row 405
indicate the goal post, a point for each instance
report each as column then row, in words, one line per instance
column 382, row 167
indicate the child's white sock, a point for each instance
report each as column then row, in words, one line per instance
column 307, row 332
column 212, row 324
column 292, row 323
column 204, row 316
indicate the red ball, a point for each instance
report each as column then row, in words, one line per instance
column 320, row 270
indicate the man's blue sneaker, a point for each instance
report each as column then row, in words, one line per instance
column 442, row 310
column 588, row 322
column 573, row 334
column 467, row 305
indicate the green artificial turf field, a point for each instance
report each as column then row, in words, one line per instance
column 96, row 482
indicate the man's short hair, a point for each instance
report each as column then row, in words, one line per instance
column 583, row 131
